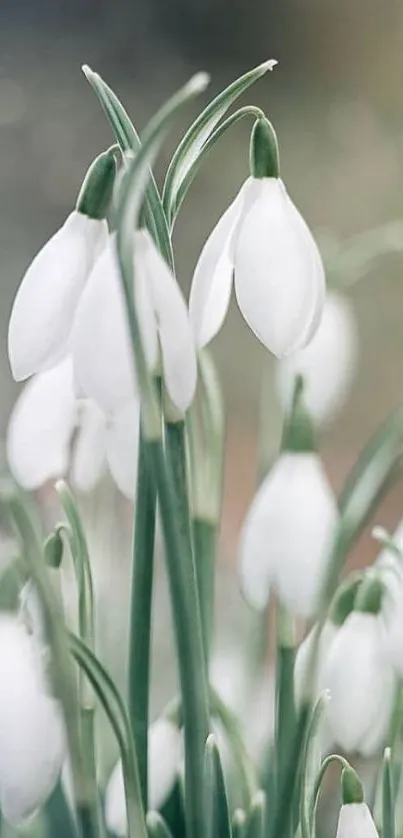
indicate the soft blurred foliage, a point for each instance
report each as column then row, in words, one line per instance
column 336, row 101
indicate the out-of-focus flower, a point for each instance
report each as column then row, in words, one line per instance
column 287, row 534
column 51, row 432
column 361, row 682
column 32, row 741
column 44, row 307
column 102, row 352
column 327, row 364
column 164, row 754
column 263, row 243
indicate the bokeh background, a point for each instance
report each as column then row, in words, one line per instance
column 336, row 100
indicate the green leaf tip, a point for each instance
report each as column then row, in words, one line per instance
column 351, row 787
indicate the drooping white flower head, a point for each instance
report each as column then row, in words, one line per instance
column 32, row 741
column 327, row 363
column 46, row 301
column 361, row 683
column 356, row 821
column 389, row 565
column 164, row 753
column 263, row 243
column 102, row 353
column 40, row 443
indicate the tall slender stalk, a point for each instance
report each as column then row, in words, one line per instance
column 140, row 610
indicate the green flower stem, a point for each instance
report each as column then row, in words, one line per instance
column 140, row 613
column 62, row 671
column 174, row 507
column 90, row 814
column 283, row 809
column 244, row 764
column 330, row 760
column 388, row 797
column 205, row 541
column 185, row 608
column 285, row 705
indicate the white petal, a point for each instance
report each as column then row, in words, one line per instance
column 212, row 280
column 32, row 742
column 172, row 318
column 279, row 277
column 361, row 684
column 102, row 356
column 46, row 301
column 41, row 426
column 89, row 457
column 164, row 755
column 327, row 363
column 355, row 821
column 303, row 659
column 288, row 533
column 164, row 745
column 122, row 435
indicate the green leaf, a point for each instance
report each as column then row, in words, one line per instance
column 376, row 468
column 129, row 140
column 118, row 717
column 388, row 797
column 256, row 822
column 199, row 132
column 217, row 812
column 311, row 765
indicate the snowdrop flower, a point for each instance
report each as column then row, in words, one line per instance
column 40, row 433
column 327, row 363
column 288, row 532
column 360, row 680
column 164, row 752
column 355, row 819
column 263, row 243
column 32, row 742
column 102, row 352
column 44, row 307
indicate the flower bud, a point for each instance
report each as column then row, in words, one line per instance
column 96, row 192
column 264, row 155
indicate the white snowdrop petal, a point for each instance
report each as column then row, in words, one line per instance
column 164, row 750
column 89, row 459
column 172, row 317
column 122, row 433
column 361, row 685
column 327, row 363
column 212, row 280
column 32, row 741
column 46, row 301
column 102, row 355
column 164, row 746
column 288, row 532
column 303, row 658
column 279, row 278
column 41, row 426
column 355, row 821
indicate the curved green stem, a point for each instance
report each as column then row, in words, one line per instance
column 118, row 716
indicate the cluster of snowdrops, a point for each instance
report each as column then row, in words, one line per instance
column 121, row 382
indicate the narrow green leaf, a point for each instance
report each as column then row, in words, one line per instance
column 199, row 132
column 376, row 468
column 118, row 717
column 217, row 812
column 311, row 765
column 129, row 140
column 388, row 797
column 256, row 822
